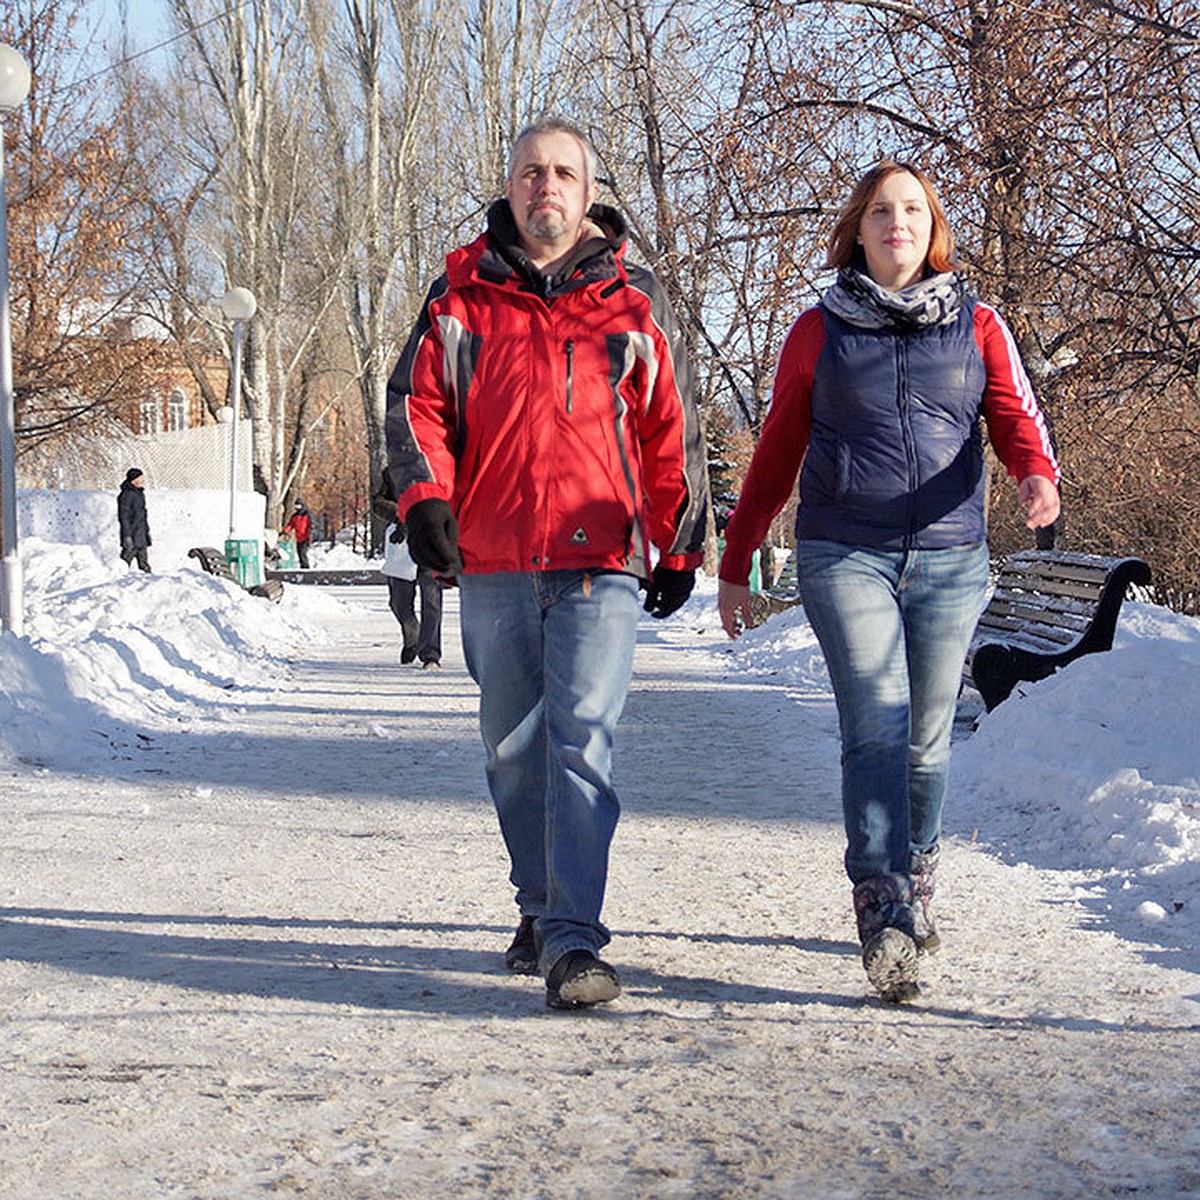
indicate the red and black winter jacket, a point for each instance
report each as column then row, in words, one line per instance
column 554, row 414
column 300, row 525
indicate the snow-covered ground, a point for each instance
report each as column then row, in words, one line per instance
column 252, row 905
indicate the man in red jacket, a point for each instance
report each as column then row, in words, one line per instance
column 541, row 434
column 299, row 526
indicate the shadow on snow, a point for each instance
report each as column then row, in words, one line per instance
column 403, row 977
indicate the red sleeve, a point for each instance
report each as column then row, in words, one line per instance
column 429, row 413
column 672, row 444
column 421, row 418
column 1015, row 424
column 780, row 450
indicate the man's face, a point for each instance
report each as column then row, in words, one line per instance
column 549, row 192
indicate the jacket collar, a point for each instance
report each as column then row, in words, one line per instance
column 498, row 255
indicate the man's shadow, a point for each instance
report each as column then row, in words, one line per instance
column 269, row 957
column 398, row 976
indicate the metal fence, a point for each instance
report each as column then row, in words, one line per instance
column 181, row 460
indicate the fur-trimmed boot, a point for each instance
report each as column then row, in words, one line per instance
column 884, row 912
column 923, row 869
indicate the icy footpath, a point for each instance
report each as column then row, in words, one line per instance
column 253, row 904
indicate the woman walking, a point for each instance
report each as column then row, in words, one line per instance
column 876, row 406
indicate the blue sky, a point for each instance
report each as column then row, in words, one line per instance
column 145, row 16
column 147, row 22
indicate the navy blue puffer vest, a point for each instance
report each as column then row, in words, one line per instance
column 896, row 455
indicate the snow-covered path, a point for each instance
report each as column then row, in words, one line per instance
column 264, row 958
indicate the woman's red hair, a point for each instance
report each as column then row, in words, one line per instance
column 844, row 250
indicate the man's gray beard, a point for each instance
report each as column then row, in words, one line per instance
column 548, row 228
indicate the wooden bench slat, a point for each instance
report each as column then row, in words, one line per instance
column 1068, row 589
column 1043, row 643
column 1026, row 604
column 1064, row 630
column 1002, row 606
column 1005, row 631
column 1013, row 630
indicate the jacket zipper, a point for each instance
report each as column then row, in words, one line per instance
column 910, row 454
column 570, row 348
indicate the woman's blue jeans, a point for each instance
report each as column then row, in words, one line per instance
column 552, row 652
column 894, row 627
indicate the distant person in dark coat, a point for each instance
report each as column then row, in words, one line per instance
column 299, row 527
column 131, row 516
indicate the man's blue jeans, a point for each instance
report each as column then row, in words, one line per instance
column 552, row 652
column 894, row 628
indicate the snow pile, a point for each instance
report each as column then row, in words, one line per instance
column 110, row 653
column 1096, row 769
column 338, row 557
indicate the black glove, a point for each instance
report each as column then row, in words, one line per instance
column 668, row 591
column 397, row 535
column 433, row 537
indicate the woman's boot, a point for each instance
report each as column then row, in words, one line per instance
column 923, row 870
column 884, row 912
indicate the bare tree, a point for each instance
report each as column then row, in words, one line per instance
column 1060, row 136
column 395, row 55
column 253, row 100
column 326, row 152
column 73, row 208
column 517, row 59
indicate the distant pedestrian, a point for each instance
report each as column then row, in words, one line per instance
column 422, row 640
column 131, row 517
column 299, row 529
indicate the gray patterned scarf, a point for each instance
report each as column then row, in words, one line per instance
column 858, row 299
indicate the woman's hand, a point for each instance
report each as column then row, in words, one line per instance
column 733, row 599
column 1040, row 497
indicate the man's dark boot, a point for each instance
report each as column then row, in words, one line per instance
column 579, row 980
column 521, row 957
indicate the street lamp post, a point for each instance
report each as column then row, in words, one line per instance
column 239, row 305
column 14, row 87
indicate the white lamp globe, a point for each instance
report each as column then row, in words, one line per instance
column 238, row 304
column 14, row 78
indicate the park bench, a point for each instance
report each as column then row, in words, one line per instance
column 1048, row 608
column 783, row 594
column 215, row 563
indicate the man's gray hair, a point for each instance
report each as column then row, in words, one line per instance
column 557, row 125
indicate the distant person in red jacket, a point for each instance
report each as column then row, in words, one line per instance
column 542, row 435
column 299, row 527
column 876, row 408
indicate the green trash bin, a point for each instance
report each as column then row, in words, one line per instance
column 242, row 555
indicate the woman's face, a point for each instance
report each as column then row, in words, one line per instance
column 895, row 230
